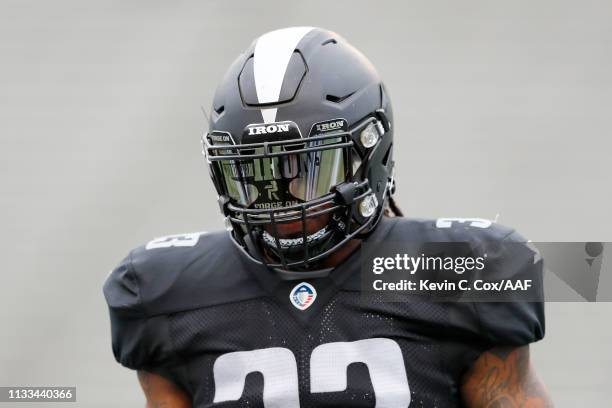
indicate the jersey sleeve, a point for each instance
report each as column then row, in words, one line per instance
column 519, row 320
column 139, row 341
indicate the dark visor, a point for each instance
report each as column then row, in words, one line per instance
column 279, row 173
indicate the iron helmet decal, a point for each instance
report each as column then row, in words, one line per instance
column 260, row 132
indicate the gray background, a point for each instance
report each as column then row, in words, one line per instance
column 99, row 151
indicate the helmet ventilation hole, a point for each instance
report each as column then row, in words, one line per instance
column 338, row 99
column 330, row 41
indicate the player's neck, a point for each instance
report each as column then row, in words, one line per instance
column 339, row 256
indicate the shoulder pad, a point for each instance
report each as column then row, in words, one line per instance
column 177, row 273
column 510, row 256
column 451, row 229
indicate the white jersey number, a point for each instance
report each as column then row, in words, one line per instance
column 179, row 240
column 472, row 222
column 328, row 371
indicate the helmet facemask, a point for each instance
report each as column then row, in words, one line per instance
column 289, row 201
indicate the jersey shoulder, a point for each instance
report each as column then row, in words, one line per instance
column 509, row 257
column 453, row 229
column 177, row 273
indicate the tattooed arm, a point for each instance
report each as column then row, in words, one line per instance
column 161, row 393
column 504, row 378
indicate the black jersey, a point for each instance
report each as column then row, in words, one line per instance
column 230, row 333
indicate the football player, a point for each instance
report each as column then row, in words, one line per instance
column 270, row 313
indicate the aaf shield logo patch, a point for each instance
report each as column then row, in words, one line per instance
column 303, row 295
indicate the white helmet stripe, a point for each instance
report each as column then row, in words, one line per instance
column 272, row 53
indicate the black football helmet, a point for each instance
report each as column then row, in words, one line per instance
column 300, row 128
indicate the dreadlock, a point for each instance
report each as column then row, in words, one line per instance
column 392, row 209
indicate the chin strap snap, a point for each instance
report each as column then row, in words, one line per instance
column 345, row 193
